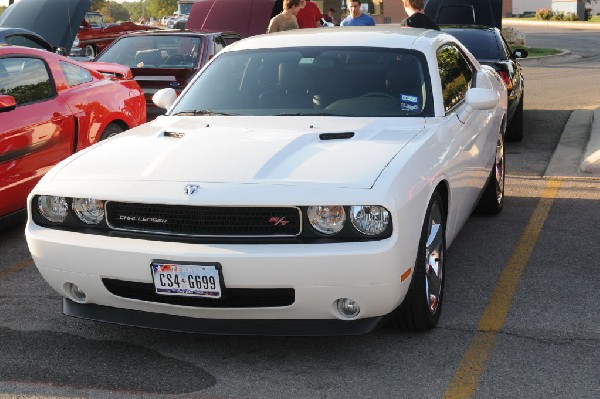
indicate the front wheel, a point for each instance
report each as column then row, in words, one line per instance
column 422, row 306
column 111, row 130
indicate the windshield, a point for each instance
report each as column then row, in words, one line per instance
column 154, row 51
column 95, row 20
column 313, row 81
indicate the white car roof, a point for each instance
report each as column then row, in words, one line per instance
column 386, row 36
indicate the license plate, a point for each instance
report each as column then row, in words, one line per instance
column 187, row 279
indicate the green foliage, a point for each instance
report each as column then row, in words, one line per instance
column 2, row 8
column 544, row 14
column 29, row 93
column 114, row 12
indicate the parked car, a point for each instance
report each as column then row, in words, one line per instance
column 477, row 24
column 166, row 58
column 51, row 107
column 24, row 37
column 251, row 17
column 95, row 35
column 490, row 48
column 305, row 182
column 53, row 30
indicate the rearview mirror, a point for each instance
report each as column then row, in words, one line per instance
column 481, row 99
column 520, row 53
column 7, row 103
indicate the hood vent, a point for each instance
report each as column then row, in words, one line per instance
column 336, row 136
column 176, row 135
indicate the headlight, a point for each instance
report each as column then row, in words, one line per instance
column 53, row 208
column 327, row 219
column 75, row 42
column 89, row 210
column 369, row 219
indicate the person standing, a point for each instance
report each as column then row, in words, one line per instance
column 309, row 16
column 285, row 20
column 416, row 16
column 356, row 16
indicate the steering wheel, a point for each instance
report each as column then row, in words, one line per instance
column 378, row 94
column 176, row 59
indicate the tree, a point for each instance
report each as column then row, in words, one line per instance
column 160, row 8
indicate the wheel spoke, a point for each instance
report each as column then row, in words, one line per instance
column 434, row 258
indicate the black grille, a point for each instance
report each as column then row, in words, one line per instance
column 205, row 220
column 232, row 297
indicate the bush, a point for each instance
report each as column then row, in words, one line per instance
column 544, row 14
column 565, row 16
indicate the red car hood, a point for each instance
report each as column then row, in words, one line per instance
column 246, row 17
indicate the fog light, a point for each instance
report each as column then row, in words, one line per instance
column 76, row 293
column 347, row 307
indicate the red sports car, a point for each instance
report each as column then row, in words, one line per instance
column 50, row 107
column 95, row 35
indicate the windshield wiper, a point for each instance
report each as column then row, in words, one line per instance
column 308, row 114
column 196, row 112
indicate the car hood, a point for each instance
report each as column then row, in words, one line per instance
column 57, row 21
column 465, row 12
column 345, row 152
column 251, row 17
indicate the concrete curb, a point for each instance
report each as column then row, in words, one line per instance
column 568, row 157
column 591, row 157
column 563, row 56
column 552, row 24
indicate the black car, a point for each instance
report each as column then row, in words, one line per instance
column 55, row 31
column 490, row 48
column 23, row 37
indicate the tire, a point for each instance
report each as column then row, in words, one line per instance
column 492, row 199
column 111, row 130
column 515, row 129
column 90, row 51
column 422, row 306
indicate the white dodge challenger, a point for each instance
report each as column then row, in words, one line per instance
column 305, row 183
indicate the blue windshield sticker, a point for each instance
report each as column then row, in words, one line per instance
column 410, row 99
column 409, row 107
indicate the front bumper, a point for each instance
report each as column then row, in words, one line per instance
column 370, row 273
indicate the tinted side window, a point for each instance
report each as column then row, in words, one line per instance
column 74, row 74
column 26, row 79
column 455, row 74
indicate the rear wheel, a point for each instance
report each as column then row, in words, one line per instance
column 515, row 129
column 111, row 130
column 492, row 200
column 422, row 306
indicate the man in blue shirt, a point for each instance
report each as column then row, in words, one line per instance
column 356, row 16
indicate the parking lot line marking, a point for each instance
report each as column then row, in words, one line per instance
column 473, row 363
column 16, row 268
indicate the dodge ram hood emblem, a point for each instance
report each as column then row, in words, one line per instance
column 191, row 189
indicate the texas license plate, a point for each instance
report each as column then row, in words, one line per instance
column 187, row 279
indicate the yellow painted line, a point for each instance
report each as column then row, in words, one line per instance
column 16, row 268
column 474, row 361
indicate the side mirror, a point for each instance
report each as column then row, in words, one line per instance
column 61, row 51
column 164, row 98
column 7, row 103
column 479, row 98
column 520, row 53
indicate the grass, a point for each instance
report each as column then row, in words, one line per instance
column 541, row 52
